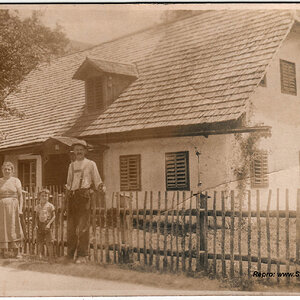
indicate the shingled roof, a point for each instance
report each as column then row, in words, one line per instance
column 198, row 70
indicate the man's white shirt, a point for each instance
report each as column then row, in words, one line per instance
column 90, row 174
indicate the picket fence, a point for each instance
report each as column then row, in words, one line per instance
column 176, row 232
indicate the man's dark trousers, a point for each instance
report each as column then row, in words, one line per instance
column 78, row 223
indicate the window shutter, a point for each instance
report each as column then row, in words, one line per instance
column 259, row 176
column 177, row 171
column 288, row 77
column 130, row 173
column 94, row 93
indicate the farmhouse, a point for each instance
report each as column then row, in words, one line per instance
column 220, row 84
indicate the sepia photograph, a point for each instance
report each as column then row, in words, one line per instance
column 149, row 149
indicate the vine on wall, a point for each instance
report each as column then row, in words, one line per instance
column 247, row 145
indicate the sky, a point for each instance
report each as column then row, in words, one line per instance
column 95, row 24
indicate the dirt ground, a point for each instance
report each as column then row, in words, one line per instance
column 60, row 279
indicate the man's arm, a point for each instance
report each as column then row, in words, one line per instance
column 96, row 178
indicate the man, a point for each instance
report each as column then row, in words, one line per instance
column 83, row 179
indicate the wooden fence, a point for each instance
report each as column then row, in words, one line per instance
column 176, row 231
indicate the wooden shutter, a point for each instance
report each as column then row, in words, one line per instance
column 94, row 93
column 288, row 77
column 130, row 172
column 177, row 171
column 259, row 176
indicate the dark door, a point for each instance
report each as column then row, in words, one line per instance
column 56, row 169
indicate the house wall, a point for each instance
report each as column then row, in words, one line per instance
column 215, row 162
column 282, row 112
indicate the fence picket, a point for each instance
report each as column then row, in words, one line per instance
column 223, row 236
column 118, row 230
column 113, row 225
column 240, row 236
column 249, row 234
column 138, row 227
column 56, row 223
column 144, row 229
column 205, row 232
column 130, row 227
column 197, row 232
column 190, row 233
column 150, row 229
column 158, row 232
column 232, row 235
column 172, row 232
column 183, row 233
column 268, row 233
column 93, row 200
column 287, row 234
column 177, row 233
column 107, row 260
column 166, row 213
column 63, row 210
column 277, row 234
column 215, row 234
column 258, row 231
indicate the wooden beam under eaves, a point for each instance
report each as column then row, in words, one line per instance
column 169, row 132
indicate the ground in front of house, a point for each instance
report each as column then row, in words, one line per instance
column 28, row 277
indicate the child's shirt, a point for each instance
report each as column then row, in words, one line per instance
column 45, row 212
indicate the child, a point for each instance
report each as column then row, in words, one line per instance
column 45, row 215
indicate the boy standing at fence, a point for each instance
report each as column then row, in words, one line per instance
column 45, row 216
column 83, row 179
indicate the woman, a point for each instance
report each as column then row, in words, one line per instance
column 11, row 205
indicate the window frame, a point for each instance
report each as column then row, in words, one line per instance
column 187, row 170
column 287, row 90
column 264, row 173
column 21, row 176
column 138, row 186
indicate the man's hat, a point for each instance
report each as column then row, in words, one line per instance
column 81, row 143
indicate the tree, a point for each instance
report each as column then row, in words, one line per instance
column 23, row 45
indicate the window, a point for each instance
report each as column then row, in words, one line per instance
column 259, row 170
column 130, row 172
column 263, row 82
column 288, row 77
column 94, row 93
column 177, row 171
column 27, row 173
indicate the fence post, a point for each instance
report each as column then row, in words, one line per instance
column 298, row 228
column 202, row 201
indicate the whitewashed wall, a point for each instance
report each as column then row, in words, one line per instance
column 282, row 112
column 215, row 162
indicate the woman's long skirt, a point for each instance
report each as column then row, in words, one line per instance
column 11, row 232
